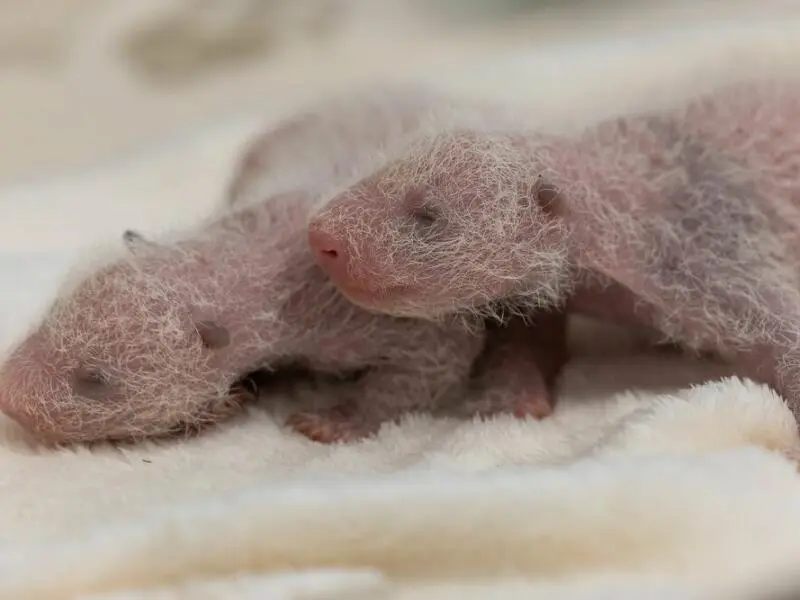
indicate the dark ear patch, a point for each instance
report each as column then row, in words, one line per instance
column 132, row 237
column 542, row 194
column 546, row 194
column 134, row 240
column 214, row 336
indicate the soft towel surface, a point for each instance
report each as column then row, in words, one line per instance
column 666, row 491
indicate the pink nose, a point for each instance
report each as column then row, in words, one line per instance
column 328, row 252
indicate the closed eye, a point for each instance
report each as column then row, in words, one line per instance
column 422, row 213
column 90, row 377
column 94, row 384
column 424, row 216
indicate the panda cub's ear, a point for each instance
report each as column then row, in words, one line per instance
column 135, row 241
column 213, row 335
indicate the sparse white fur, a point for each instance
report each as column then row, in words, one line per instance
column 132, row 320
column 689, row 215
column 328, row 145
column 134, row 323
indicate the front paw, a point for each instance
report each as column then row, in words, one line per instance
column 341, row 424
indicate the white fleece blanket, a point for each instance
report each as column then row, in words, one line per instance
column 640, row 485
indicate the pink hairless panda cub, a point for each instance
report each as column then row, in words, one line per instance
column 155, row 342
column 518, row 369
column 686, row 220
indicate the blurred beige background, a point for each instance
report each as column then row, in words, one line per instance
column 81, row 80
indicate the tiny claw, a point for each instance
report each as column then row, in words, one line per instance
column 537, row 408
column 521, row 407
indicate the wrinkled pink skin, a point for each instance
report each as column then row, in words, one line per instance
column 151, row 345
column 251, row 296
column 687, row 221
column 520, row 365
